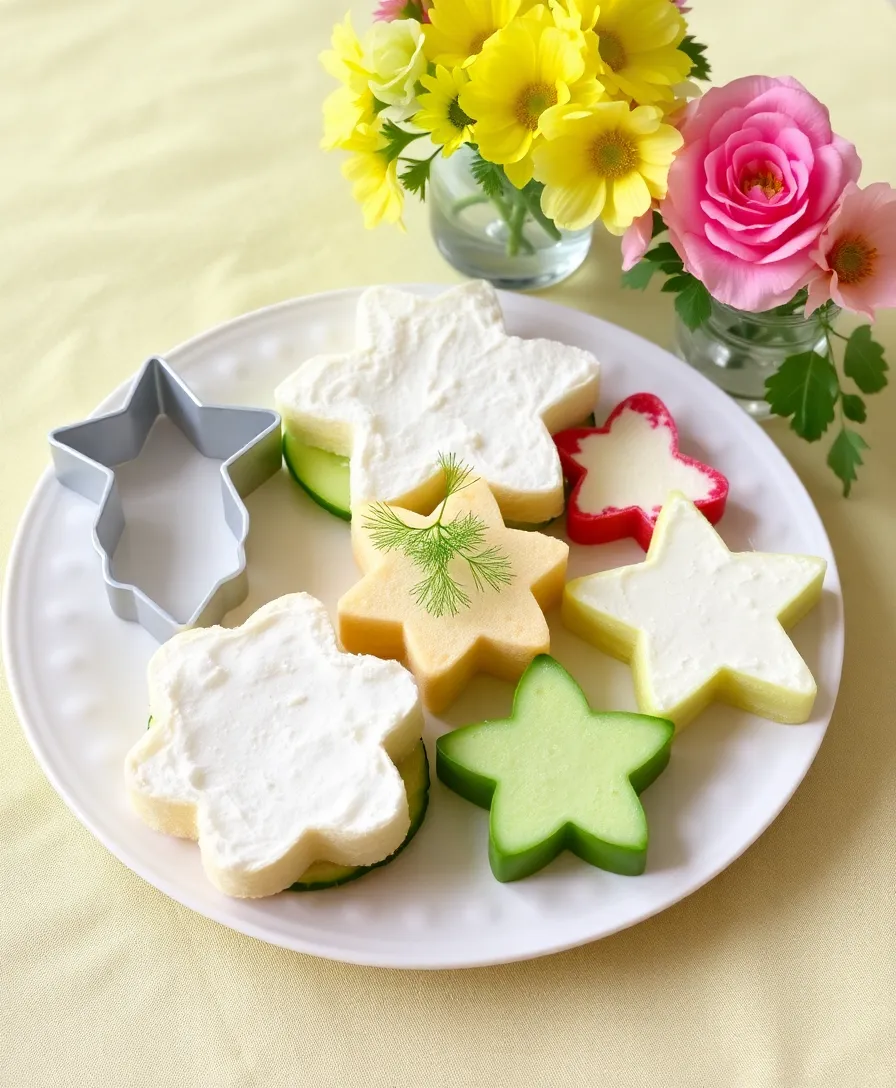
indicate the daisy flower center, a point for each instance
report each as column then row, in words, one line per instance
column 457, row 117
column 613, row 155
column 852, row 259
column 532, row 103
column 765, row 180
column 612, row 51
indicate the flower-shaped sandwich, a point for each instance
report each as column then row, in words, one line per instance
column 274, row 749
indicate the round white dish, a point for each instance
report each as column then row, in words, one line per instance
column 77, row 672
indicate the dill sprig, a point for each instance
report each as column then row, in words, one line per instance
column 432, row 548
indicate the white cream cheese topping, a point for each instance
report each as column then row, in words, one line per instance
column 634, row 464
column 702, row 608
column 283, row 743
column 440, row 375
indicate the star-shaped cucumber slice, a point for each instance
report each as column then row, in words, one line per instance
column 558, row 775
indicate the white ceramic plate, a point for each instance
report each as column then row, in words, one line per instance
column 77, row 671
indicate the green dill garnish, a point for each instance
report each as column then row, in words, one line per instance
column 432, row 548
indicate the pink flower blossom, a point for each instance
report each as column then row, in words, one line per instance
column 856, row 252
column 753, row 188
column 682, row 6
column 636, row 240
column 390, row 10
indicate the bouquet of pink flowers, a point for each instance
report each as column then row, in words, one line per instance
column 763, row 212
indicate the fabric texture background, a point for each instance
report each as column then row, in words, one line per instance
column 162, row 174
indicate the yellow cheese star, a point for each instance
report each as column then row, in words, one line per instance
column 499, row 632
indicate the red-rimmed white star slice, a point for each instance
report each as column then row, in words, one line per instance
column 622, row 473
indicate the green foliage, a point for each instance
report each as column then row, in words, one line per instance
column 693, row 303
column 639, row 275
column 397, row 139
column 489, row 176
column 432, row 548
column 415, row 176
column 805, row 388
column 845, row 456
column 697, row 53
column 864, row 362
column 853, row 407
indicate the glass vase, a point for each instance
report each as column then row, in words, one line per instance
column 506, row 239
column 738, row 351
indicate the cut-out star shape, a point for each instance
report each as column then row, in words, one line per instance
column 499, row 633
column 558, row 775
column 275, row 749
column 430, row 375
column 623, row 472
column 698, row 622
column 86, row 455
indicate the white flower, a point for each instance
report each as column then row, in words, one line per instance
column 393, row 54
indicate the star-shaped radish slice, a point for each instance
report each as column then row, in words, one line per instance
column 498, row 632
column 623, row 472
column 433, row 374
column 275, row 749
column 558, row 775
column 698, row 622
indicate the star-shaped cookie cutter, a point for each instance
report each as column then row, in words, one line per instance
column 85, row 456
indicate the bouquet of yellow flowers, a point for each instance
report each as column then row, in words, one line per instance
column 567, row 106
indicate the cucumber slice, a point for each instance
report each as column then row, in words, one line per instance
column 414, row 770
column 557, row 775
column 325, row 476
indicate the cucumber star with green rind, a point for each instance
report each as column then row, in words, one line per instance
column 557, row 775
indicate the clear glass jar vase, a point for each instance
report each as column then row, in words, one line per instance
column 738, row 351
column 506, row 239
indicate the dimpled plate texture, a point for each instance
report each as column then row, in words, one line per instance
column 78, row 675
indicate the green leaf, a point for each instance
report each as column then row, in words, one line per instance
column 693, row 304
column 397, row 139
column 659, row 224
column 677, row 283
column 696, row 51
column 639, row 275
column 845, row 457
column 853, row 407
column 489, row 176
column 806, row 388
column 378, row 106
column 864, row 361
column 796, row 305
column 415, row 177
column 665, row 255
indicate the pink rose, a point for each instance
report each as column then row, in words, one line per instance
column 390, row 10
column 636, row 240
column 753, row 187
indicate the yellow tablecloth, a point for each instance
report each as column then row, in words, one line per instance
column 160, row 175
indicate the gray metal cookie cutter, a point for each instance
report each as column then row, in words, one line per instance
column 85, row 456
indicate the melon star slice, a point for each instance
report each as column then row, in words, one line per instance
column 558, row 775
column 433, row 374
column 698, row 622
column 499, row 632
column 275, row 749
column 623, row 472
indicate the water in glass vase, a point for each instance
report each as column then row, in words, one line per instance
column 738, row 351
column 504, row 239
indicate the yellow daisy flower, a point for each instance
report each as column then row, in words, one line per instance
column 608, row 162
column 638, row 42
column 457, row 29
column 374, row 178
column 352, row 104
column 523, row 70
column 440, row 113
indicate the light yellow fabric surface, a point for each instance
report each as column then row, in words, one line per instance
column 160, row 175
